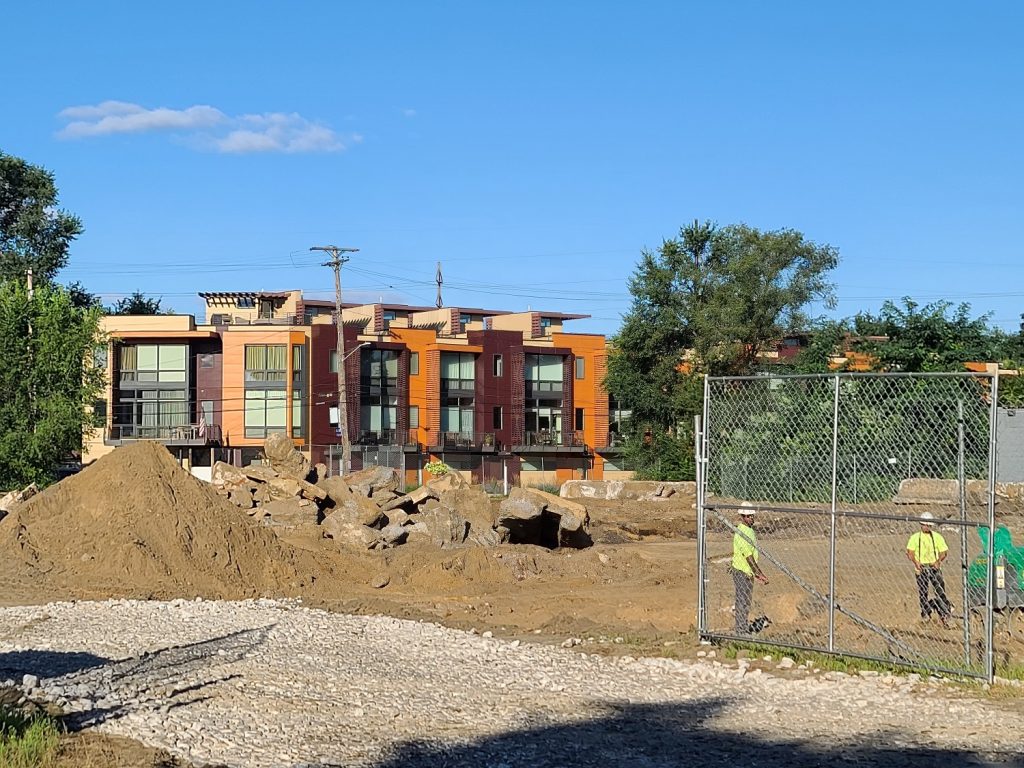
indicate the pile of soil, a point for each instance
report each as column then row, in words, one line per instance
column 135, row 524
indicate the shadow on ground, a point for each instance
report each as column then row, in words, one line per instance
column 14, row 664
column 666, row 736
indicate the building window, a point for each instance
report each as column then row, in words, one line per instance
column 154, row 363
column 389, row 316
column 298, row 423
column 206, row 411
column 99, row 357
column 581, row 368
column 499, row 366
column 266, row 363
column 334, row 361
column 464, row 320
column 266, row 412
column 545, row 326
column 245, row 302
column 205, row 360
column 99, row 413
column 414, row 363
column 457, row 415
column 414, row 417
column 458, row 371
column 496, row 421
column 579, row 420
column 378, row 398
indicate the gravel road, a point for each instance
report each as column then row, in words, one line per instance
column 269, row 683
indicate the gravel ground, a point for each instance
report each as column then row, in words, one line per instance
column 268, row 683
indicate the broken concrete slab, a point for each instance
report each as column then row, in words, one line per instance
column 520, row 504
column 448, row 482
column 919, row 490
column 284, row 458
column 441, row 527
column 223, row 475
column 9, row 500
column 241, row 497
column 645, row 490
column 340, row 527
column 373, row 480
column 572, row 515
column 291, row 512
column 410, row 500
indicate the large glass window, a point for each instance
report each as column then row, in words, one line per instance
column 543, row 374
column 457, row 415
column 458, row 371
column 154, row 363
column 378, row 398
column 266, row 363
column 266, row 411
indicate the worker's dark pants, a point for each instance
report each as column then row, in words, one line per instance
column 941, row 605
column 744, row 593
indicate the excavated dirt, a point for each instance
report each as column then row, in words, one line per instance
column 136, row 524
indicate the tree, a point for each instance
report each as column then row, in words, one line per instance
column 34, row 233
column 47, row 377
column 138, row 304
column 82, row 298
column 708, row 301
column 935, row 337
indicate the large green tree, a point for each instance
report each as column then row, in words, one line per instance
column 34, row 233
column 138, row 304
column 47, row 377
column 708, row 301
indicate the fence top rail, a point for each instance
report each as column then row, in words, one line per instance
column 826, row 511
column 893, row 375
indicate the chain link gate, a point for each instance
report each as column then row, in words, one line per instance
column 824, row 460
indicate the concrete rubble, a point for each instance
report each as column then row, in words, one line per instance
column 366, row 509
column 9, row 500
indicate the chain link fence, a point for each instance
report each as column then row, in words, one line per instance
column 841, row 470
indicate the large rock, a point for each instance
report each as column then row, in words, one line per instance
column 348, row 532
column 473, row 505
column 241, row 497
column 360, row 509
column 291, row 513
column 644, row 490
column 373, row 480
column 520, row 504
column 447, row 482
column 441, row 526
column 919, row 490
column 411, row 500
column 535, row 517
column 572, row 516
column 227, row 476
column 284, row 458
column 10, row 500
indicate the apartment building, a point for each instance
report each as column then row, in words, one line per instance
column 494, row 394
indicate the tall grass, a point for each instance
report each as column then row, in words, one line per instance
column 27, row 742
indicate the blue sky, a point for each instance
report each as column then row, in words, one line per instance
column 535, row 148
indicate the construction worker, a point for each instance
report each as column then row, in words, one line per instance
column 744, row 566
column 926, row 549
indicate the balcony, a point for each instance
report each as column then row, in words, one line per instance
column 551, row 441
column 613, row 442
column 374, row 438
column 475, row 442
column 184, row 435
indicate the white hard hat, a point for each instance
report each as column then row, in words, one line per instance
column 926, row 518
column 746, row 508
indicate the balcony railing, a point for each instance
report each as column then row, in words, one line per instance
column 185, row 434
column 465, row 441
column 553, row 438
column 382, row 437
column 286, row 318
column 614, row 440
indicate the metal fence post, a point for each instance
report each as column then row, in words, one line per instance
column 961, row 479
column 832, row 525
column 993, row 421
column 699, row 476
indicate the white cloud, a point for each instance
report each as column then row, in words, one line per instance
column 206, row 127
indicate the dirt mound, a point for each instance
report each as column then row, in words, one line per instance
column 136, row 524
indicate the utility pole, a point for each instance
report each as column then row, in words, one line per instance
column 440, row 282
column 338, row 258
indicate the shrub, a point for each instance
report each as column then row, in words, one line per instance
column 437, row 468
column 27, row 742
